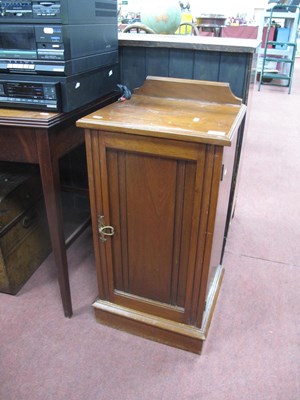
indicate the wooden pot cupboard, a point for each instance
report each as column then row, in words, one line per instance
column 160, row 168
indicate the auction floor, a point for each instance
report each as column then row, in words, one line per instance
column 253, row 347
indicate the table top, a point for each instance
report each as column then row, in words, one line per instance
column 45, row 119
column 179, row 109
column 27, row 118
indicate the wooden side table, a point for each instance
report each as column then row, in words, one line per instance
column 43, row 138
column 160, row 168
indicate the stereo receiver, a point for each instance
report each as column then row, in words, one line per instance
column 38, row 95
column 57, row 49
column 51, row 93
column 59, row 11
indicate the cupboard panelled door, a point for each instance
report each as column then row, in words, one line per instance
column 155, row 194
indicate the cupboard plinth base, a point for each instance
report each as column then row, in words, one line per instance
column 159, row 329
column 150, row 327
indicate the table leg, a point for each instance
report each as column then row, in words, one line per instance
column 49, row 168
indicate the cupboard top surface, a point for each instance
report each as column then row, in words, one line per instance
column 180, row 109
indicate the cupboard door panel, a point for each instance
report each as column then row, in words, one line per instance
column 150, row 220
column 151, row 202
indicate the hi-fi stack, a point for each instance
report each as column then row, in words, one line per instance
column 57, row 55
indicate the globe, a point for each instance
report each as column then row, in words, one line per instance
column 163, row 16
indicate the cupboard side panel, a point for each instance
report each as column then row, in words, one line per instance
column 221, row 212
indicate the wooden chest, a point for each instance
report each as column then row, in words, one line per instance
column 24, row 237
